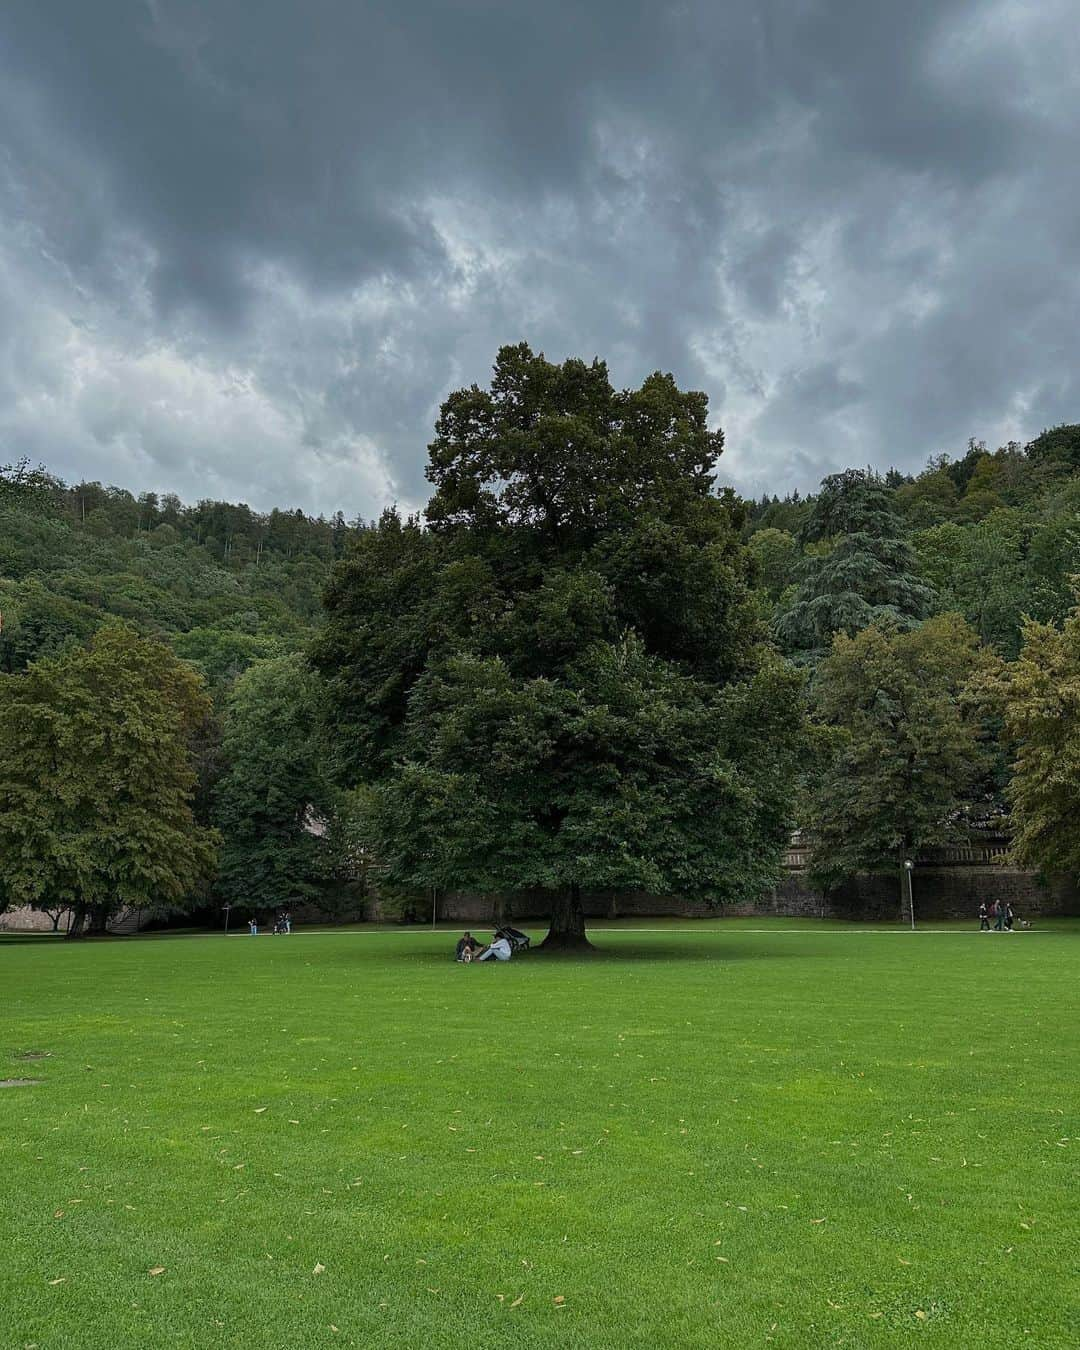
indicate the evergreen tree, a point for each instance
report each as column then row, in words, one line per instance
column 865, row 573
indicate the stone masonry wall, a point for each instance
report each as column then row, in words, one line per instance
column 945, row 892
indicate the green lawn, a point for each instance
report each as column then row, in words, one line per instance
column 707, row 1135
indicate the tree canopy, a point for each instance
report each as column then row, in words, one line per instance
column 906, row 752
column 97, row 779
column 558, row 683
column 273, row 799
column 1042, row 714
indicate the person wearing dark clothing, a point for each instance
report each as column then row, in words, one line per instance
column 984, row 918
column 1009, row 917
column 999, row 922
column 466, row 948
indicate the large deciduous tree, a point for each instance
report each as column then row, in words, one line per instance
column 273, row 795
column 1042, row 715
column 907, row 754
column 561, row 681
column 96, row 780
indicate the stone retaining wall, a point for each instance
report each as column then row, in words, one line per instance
column 945, row 892
column 942, row 891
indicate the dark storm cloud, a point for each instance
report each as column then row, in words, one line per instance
column 247, row 249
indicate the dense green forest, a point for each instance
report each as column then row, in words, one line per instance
column 223, row 584
column 926, row 623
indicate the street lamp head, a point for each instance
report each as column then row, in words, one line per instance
column 908, row 864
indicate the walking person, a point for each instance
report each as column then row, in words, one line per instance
column 1009, row 917
column 999, row 912
column 253, row 927
column 984, row 918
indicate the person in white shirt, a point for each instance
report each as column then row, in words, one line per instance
column 498, row 951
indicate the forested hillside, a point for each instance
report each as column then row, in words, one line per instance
column 994, row 535
column 223, row 584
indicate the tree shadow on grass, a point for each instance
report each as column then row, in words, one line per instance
column 635, row 953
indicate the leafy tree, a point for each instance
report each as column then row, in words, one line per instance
column 981, row 571
column 907, row 754
column 561, row 683
column 273, row 794
column 929, row 499
column 35, row 491
column 982, row 494
column 1059, row 445
column 867, row 576
column 1042, row 715
column 220, row 653
column 37, row 622
column 96, row 780
column 777, row 555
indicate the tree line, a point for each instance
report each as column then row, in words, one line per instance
column 585, row 667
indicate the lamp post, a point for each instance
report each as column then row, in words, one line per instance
column 909, row 867
column 226, row 909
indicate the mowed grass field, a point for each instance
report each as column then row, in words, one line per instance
column 729, row 1133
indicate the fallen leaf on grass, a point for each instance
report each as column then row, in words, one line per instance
column 59, row 1214
column 724, row 1259
column 319, row 1268
column 920, row 1314
column 260, row 1109
column 156, row 1270
column 332, row 1327
column 518, row 1301
column 61, row 1280
column 559, row 1299
column 817, row 1220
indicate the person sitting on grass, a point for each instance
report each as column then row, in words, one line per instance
column 498, row 951
column 466, row 949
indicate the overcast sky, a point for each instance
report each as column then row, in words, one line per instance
column 247, row 248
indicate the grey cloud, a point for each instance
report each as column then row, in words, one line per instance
column 247, row 249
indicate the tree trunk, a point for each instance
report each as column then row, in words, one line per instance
column 99, row 918
column 77, row 924
column 566, row 931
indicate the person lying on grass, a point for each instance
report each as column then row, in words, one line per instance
column 466, row 949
